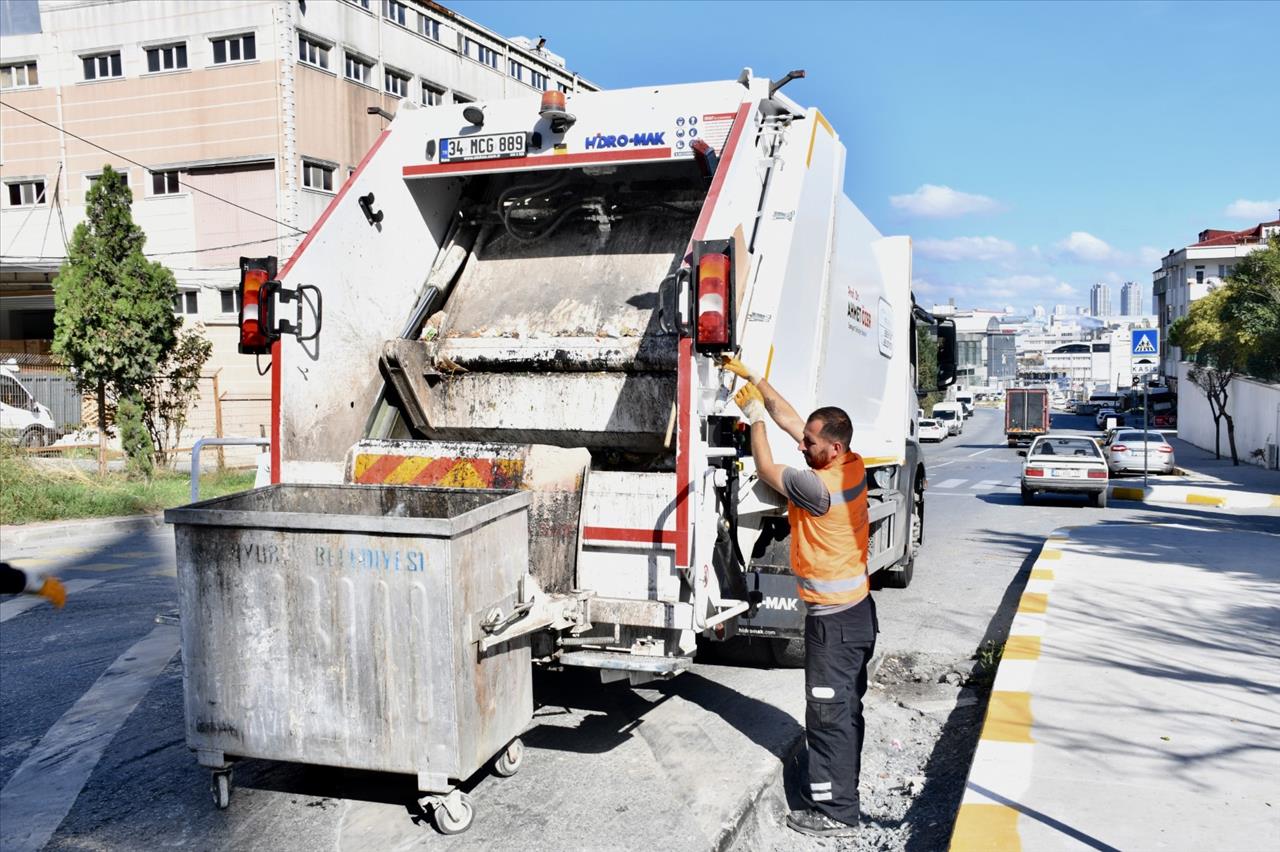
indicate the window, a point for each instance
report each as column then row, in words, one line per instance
column 317, row 176
column 237, row 48
column 312, row 52
column 12, row 393
column 363, row 4
column 165, row 183
column 480, row 53
column 429, row 27
column 103, row 66
column 18, row 76
column 169, row 57
column 186, row 302
column 538, row 80
column 358, row 69
column 92, row 179
column 459, row 98
column 515, row 69
column 563, row 87
column 1199, row 274
column 431, row 95
column 26, row 193
column 1222, row 270
column 395, row 84
column 394, row 11
column 230, row 300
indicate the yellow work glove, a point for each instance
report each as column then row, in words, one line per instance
column 733, row 365
column 53, row 589
column 751, row 402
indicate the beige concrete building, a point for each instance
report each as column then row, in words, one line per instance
column 236, row 121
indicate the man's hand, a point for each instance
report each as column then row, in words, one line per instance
column 751, row 402
column 733, row 365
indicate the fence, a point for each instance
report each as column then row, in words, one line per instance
column 1253, row 405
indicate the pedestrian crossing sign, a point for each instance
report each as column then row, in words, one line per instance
column 1145, row 341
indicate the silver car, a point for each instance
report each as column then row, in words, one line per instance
column 1125, row 449
column 1066, row 463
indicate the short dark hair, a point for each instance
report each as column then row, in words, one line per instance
column 836, row 425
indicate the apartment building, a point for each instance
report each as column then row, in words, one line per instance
column 236, row 122
column 1190, row 273
column 1100, row 300
column 1131, row 299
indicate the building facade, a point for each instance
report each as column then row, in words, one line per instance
column 1188, row 274
column 1132, row 299
column 236, row 124
column 1100, row 300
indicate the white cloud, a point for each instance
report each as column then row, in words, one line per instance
column 1086, row 247
column 1150, row 256
column 966, row 248
column 1063, row 289
column 942, row 202
column 1258, row 211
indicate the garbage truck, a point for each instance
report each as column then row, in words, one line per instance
column 526, row 303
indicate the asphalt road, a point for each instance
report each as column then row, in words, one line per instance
column 92, row 751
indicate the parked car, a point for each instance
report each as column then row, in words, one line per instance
column 1067, row 463
column 22, row 419
column 950, row 418
column 932, row 430
column 1125, row 449
column 1105, row 414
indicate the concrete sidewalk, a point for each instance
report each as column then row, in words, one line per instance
column 1137, row 705
column 1204, row 481
column 21, row 535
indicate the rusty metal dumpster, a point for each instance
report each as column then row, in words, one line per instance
column 339, row 625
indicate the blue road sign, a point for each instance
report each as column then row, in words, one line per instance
column 1144, row 341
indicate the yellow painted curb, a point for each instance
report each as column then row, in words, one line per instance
column 1022, row 648
column 1050, row 554
column 983, row 827
column 1033, row 602
column 1042, row 573
column 1127, row 493
column 1206, row 500
column 1275, row 501
column 1008, row 717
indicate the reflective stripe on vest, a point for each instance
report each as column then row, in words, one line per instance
column 829, row 552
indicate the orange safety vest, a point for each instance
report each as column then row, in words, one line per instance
column 829, row 553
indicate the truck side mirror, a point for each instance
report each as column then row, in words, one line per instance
column 946, row 354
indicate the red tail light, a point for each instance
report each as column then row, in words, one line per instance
column 1165, row 448
column 713, row 302
column 255, row 336
column 1097, row 474
column 1035, row 471
column 1119, row 448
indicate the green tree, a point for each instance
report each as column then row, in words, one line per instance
column 167, row 399
column 926, row 368
column 1218, row 351
column 1254, row 309
column 114, row 319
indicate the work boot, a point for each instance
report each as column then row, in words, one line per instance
column 817, row 824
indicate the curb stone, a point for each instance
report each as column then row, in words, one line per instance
column 20, row 535
column 1184, row 494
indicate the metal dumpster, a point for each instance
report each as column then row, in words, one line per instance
column 338, row 625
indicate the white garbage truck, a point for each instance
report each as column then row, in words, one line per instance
column 533, row 296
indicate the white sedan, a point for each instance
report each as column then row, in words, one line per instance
column 1065, row 463
column 931, row 430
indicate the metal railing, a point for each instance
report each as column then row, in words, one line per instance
column 216, row 442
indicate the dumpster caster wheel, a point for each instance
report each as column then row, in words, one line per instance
column 221, row 788
column 454, row 813
column 508, row 763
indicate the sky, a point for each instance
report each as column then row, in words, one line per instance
column 1029, row 149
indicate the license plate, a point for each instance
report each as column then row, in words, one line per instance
column 490, row 146
column 1066, row 473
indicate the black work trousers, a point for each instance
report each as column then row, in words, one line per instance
column 838, row 648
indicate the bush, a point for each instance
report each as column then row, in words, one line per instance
column 135, row 439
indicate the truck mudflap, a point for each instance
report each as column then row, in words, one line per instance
column 555, row 478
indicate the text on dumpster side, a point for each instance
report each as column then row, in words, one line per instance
column 356, row 559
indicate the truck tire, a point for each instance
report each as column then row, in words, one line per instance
column 787, row 653
column 899, row 576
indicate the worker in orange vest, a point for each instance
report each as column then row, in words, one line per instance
column 827, row 508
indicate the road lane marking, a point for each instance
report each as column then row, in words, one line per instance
column 19, row 605
column 951, row 483
column 42, row 790
column 980, row 452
